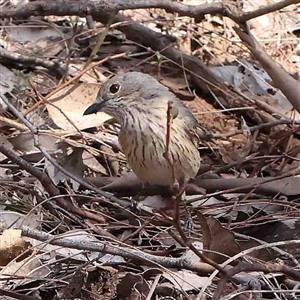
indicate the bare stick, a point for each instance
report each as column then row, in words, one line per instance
column 95, row 7
column 166, row 154
column 177, row 194
column 127, row 252
column 289, row 86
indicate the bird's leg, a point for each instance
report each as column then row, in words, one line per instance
column 181, row 195
column 175, row 191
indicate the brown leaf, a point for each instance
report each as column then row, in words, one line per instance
column 185, row 280
column 132, row 283
column 217, row 239
column 205, row 231
column 71, row 102
column 24, row 141
column 90, row 161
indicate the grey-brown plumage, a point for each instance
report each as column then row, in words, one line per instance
column 139, row 103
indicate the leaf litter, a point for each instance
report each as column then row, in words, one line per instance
column 244, row 149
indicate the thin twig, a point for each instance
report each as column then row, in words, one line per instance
column 270, row 268
column 48, row 186
column 276, row 249
column 177, row 194
column 166, row 154
column 74, row 79
column 153, row 286
column 43, row 99
column 35, row 132
column 13, row 123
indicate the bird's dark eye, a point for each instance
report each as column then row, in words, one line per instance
column 114, row 88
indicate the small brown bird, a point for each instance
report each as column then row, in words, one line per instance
column 139, row 103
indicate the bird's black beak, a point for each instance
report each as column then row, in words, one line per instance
column 92, row 109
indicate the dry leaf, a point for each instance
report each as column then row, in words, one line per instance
column 71, row 105
column 133, row 283
column 91, row 76
column 90, row 161
column 32, row 34
column 217, row 239
column 237, row 149
column 185, row 280
column 7, row 81
column 30, row 268
column 12, row 219
column 24, row 141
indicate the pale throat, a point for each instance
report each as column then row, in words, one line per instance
column 139, row 120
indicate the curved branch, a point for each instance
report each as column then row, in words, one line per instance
column 82, row 8
column 289, row 86
column 126, row 252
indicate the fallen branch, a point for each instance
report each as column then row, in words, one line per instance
column 168, row 262
column 52, row 66
column 14, row 295
column 83, row 8
column 129, row 184
column 289, row 86
column 126, row 252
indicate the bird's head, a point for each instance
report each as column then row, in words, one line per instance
column 126, row 92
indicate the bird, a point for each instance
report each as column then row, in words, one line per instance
column 139, row 103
